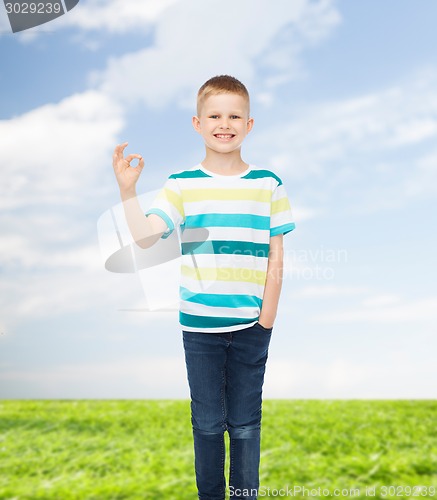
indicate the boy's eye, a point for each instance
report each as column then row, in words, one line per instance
column 233, row 117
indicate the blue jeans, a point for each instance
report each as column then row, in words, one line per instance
column 226, row 374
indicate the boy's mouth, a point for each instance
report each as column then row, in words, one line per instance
column 224, row 137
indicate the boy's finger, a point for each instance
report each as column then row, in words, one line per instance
column 130, row 157
column 118, row 151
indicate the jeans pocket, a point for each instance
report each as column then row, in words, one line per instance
column 263, row 328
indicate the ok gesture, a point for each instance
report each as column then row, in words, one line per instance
column 126, row 175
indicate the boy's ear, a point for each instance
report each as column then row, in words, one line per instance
column 250, row 122
column 196, row 123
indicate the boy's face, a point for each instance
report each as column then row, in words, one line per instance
column 223, row 122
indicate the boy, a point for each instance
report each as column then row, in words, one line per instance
column 230, row 280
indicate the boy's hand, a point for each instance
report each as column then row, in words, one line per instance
column 126, row 175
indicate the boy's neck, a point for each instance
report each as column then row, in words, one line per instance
column 224, row 164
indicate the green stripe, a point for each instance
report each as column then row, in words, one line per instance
column 191, row 174
column 226, row 247
column 202, row 322
column 259, row 174
column 228, row 220
column 220, row 300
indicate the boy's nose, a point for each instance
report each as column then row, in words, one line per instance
column 224, row 125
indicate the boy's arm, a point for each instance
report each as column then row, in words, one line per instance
column 145, row 230
column 272, row 290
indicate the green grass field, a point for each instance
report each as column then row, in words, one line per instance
column 142, row 449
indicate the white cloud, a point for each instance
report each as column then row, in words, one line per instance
column 116, row 16
column 65, row 287
column 97, row 16
column 381, row 300
column 373, row 151
column 424, row 180
column 47, row 239
column 188, row 49
column 328, row 291
column 56, row 159
column 399, row 377
column 138, row 378
column 381, row 311
column 51, row 153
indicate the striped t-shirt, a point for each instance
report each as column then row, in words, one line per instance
column 225, row 224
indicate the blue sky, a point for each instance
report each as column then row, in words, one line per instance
column 345, row 105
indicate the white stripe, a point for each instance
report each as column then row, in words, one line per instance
column 280, row 218
column 219, row 329
column 237, row 288
column 233, row 261
column 203, row 183
column 220, row 312
column 227, row 207
column 279, row 193
column 231, row 234
column 219, row 183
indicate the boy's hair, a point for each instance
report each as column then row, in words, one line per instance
column 221, row 84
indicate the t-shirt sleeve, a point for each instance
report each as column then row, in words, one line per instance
column 281, row 217
column 168, row 205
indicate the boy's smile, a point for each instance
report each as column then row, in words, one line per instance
column 223, row 122
column 224, row 138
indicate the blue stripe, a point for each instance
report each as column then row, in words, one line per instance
column 220, row 300
column 228, row 220
column 284, row 229
column 221, row 247
column 203, row 322
column 166, row 218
